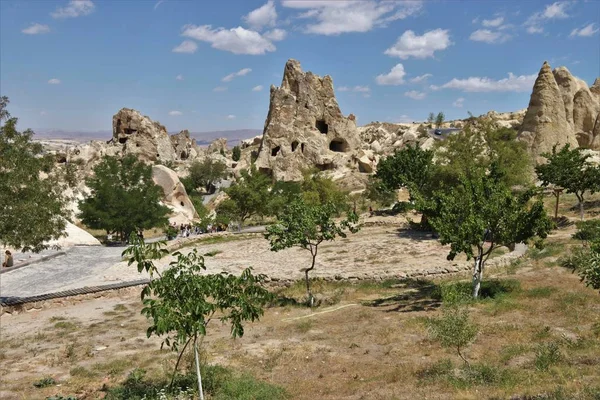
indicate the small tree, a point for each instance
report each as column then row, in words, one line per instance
column 183, row 300
column 431, row 119
column 570, row 170
column 123, row 197
column 249, row 195
column 411, row 167
column 481, row 214
column 307, row 226
column 205, row 174
column 453, row 329
column 439, row 119
column 32, row 206
column 236, row 153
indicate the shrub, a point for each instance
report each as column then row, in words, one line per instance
column 453, row 329
column 547, row 355
column 588, row 231
column 44, row 382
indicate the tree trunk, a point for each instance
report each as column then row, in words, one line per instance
column 312, row 266
column 581, row 207
column 201, row 393
column 477, row 275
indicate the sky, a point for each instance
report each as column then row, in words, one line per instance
column 208, row 65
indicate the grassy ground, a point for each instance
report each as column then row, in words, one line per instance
column 540, row 335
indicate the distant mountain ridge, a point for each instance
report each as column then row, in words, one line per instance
column 202, row 138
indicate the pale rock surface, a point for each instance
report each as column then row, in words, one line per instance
column 175, row 195
column 75, row 237
column 139, row 135
column 545, row 123
column 305, row 128
column 184, row 146
column 218, row 145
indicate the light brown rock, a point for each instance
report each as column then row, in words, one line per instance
column 183, row 145
column 175, row 195
column 305, row 128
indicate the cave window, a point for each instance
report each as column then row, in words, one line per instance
column 130, row 131
column 123, row 140
column 181, row 202
column 322, row 126
column 306, row 106
column 338, row 145
column 275, row 151
column 325, row 166
column 302, row 147
column 184, row 155
column 294, row 145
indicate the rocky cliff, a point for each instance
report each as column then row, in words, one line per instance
column 562, row 110
column 305, row 127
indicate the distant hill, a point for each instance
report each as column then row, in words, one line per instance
column 202, row 138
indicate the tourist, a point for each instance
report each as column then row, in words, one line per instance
column 9, row 260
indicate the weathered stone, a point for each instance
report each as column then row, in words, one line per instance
column 218, row 146
column 183, row 145
column 175, row 195
column 304, row 127
column 545, row 123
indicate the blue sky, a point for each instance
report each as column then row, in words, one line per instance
column 208, row 65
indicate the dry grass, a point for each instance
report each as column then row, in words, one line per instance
column 534, row 340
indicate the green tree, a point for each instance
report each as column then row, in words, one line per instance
column 249, row 195
column 307, row 225
column 282, row 193
column 586, row 259
column 439, row 119
column 236, row 153
column 570, row 170
column 453, row 329
column 319, row 189
column 182, row 300
column 32, row 206
column 431, row 119
column 481, row 213
column 411, row 167
column 204, row 174
column 123, row 197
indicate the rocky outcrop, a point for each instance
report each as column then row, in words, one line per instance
column 305, row 128
column 562, row 110
column 139, row 135
column 183, row 145
column 175, row 196
column 218, row 146
column 545, row 123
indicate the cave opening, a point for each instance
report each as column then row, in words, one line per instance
column 294, row 145
column 123, row 140
column 275, row 151
column 338, row 145
column 322, row 126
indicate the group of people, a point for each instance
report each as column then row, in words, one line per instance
column 186, row 230
column 8, row 260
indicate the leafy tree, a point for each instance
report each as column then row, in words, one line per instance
column 123, row 197
column 586, row 259
column 570, row 170
column 453, row 329
column 431, row 119
column 32, row 207
column 236, row 153
column 411, row 167
column 439, row 119
column 182, row 300
column 481, row 213
column 282, row 193
column 376, row 191
column 249, row 195
column 319, row 189
column 204, row 174
column 307, row 225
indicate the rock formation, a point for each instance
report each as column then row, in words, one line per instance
column 217, row 146
column 175, row 196
column 183, row 146
column 562, row 110
column 305, row 127
column 139, row 135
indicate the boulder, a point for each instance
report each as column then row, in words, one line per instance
column 75, row 237
column 139, row 135
column 304, row 127
column 545, row 123
column 175, row 196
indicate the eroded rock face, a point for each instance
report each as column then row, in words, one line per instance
column 305, row 127
column 183, row 145
column 545, row 123
column 139, row 135
column 218, row 146
column 562, row 110
column 175, row 196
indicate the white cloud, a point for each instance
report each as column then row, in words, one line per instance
column 521, row 83
column 75, row 8
column 220, row 89
column 275, row 35
column 557, row 10
column 158, row 3
column 235, row 40
column 187, row 46
column 343, row 16
column 54, row 81
column 43, row 112
column 257, row 88
column 394, row 77
column 411, row 45
column 230, row 116
column 413, row 94
column 179, row 77
column 233, row 75
column 420, row 78
column 36, row 29
column 175, row 113
column 459, row 102
column 492, row 23
column 265, row 15
column 487, row 36
column 586, row 31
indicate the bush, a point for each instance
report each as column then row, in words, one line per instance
column 44, row 382
column 588, row 231
column 547, row 355
column 453, row 329
column 236, row 153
